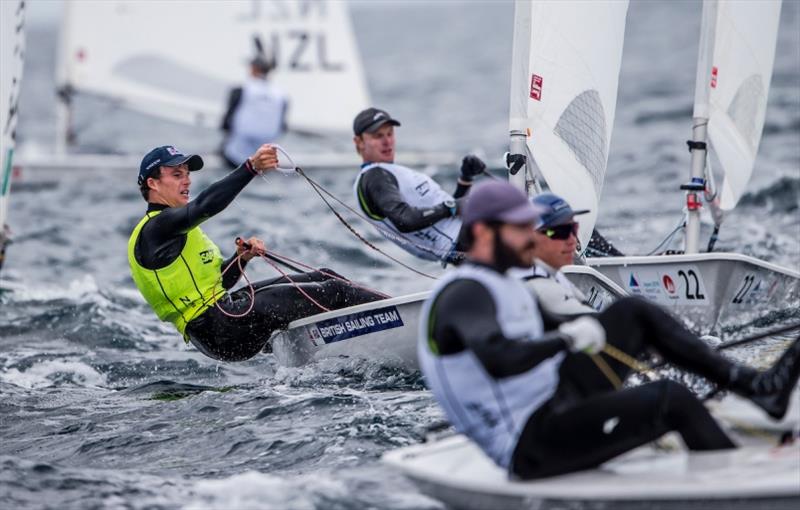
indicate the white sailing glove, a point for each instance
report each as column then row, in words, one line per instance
column 584, row 334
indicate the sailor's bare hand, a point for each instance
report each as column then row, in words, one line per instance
column 265, row 159
column 250, row 248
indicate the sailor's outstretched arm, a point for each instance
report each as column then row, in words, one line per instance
column 215, row 198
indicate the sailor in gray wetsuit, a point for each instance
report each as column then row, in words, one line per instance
column 533, row 401
column 406, row 206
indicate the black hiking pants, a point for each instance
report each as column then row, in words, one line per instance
column 277, row 303
column 588, row 421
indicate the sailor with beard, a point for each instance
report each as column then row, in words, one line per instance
column 535, row 402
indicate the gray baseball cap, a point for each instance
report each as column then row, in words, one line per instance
column 498, row 201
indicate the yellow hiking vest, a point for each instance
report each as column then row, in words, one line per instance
column 185, row 288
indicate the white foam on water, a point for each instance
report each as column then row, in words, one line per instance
column 252, row 490
column 77, row 289
column 46, row 373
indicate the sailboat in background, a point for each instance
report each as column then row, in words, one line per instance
column 563, row 96
column 736, row 57
column 565, row 67
column 177, row 61
column 12, row 51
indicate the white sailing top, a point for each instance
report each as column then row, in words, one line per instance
column 258, row 119
column 492, row 412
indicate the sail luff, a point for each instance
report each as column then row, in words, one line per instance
column 698, row 146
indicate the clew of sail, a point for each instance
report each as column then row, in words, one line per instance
column 737, row 81
column 12, row 48
column 565, row 71
column 177, row 59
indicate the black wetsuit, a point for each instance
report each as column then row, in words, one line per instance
column 381, row 193
column 277, row 301
column 587, row 421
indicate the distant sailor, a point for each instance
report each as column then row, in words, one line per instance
column 178, row 269
column 535, row 402
column 256, row 114
column 406, row 206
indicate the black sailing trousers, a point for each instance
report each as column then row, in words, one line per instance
column 277, row 303
column 588, row 421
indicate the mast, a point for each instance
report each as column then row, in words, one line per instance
column 518, row 108
column 12, row 51
column 64, row 90
column 706, row 78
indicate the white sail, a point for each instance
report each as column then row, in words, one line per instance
column 737, row 83
column 177, row 59
column 565, row 71
column 12, row 49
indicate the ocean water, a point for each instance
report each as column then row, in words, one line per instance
column 102, row 406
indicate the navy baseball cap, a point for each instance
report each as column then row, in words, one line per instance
column 498, row 201
column 553, row 210
column 370, row 120
column 166, row 155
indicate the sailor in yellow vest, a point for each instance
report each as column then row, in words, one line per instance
column 178, row 269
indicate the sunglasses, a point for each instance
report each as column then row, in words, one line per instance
column 560, row 232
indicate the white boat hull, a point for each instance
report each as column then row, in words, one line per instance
column 384, row 331
column 706, row 289
column 758, row 475
column 457, row 473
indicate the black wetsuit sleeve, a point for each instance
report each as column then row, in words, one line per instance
column 464, row 317
column 233, row 101
column 381, row 192
column 461, row 190
column 163, row 237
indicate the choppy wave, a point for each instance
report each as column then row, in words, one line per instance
column 781, row 197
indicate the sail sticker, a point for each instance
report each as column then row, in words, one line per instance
column 669, row 285
column 714, row 73
column 536, row 87
column 356, row 324
column 754, row 290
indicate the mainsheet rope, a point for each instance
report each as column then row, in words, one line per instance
column 322, row 191
column 270, row 257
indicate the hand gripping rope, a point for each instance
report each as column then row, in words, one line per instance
column 273, row 259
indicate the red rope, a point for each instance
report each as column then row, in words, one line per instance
column 238, row 261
